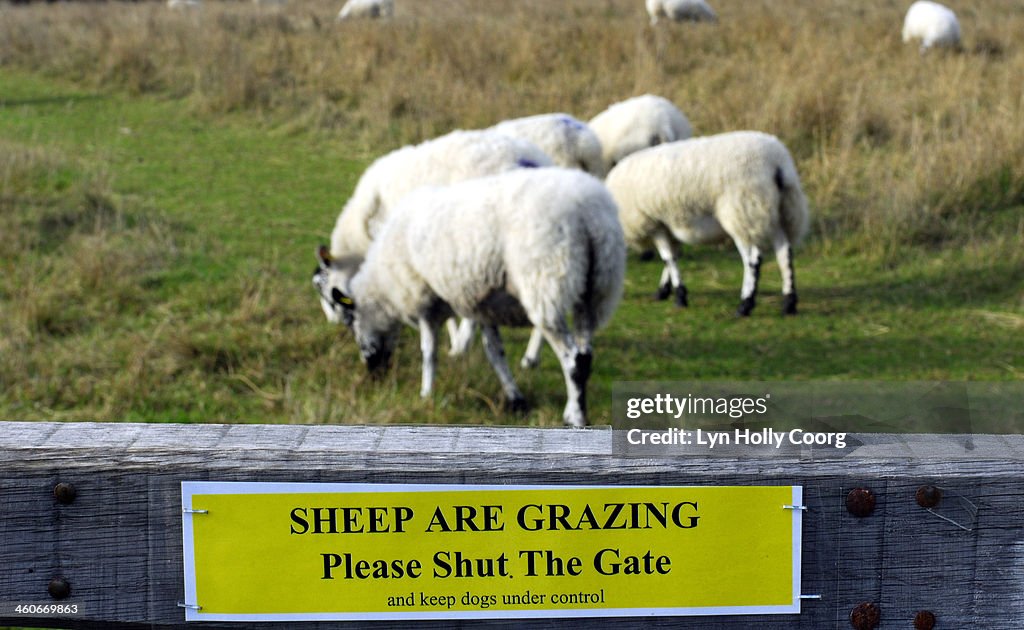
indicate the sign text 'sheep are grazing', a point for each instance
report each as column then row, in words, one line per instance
column 270, row 551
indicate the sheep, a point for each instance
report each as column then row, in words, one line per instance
column 569, row 142
column 448, row 159
column 525, row 247
column 638, row 123
column 184, row 4
column 932, row 23
column 679, row 10
column 367, row 9
column 741, row 184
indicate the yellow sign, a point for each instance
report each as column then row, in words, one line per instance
column 282, row 551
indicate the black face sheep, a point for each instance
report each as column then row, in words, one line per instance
column 525, row 248
column 743, row 185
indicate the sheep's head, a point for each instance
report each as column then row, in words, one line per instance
column 374, row 331
column 330, row 278
column 375, row 343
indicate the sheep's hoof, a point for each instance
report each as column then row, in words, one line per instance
column 575, row 422
column 663, row 292
column 528, row 363
column 517, row 405
column 647, row 255
column 789, row 304
column 681, row 300
column 745, row 308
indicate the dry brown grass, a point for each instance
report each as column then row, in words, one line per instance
column 890, row 144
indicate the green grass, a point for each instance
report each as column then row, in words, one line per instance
column 156, row 267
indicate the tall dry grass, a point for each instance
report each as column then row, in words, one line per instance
column 893, row 146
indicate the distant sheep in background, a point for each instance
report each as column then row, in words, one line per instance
column 680, row 10
column 933, row 24
column 182, row 5
column 367, row 9
column 527, row 247
column 638, row 123
column 569, row 142
column 742, row 184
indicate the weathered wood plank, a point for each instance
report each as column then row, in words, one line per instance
column 119, row 543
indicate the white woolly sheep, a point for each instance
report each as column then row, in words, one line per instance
column 184, row 4
column 569, row 142
column 451, row 158
column 741, row 184
column 638, row 123
column 680, row 10
column 367, row 9
column 932, row 23
column 527, row 247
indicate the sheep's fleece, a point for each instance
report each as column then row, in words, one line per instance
column 528, row 247
column 451, row 158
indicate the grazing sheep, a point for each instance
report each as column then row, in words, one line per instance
column 569, row 142
column 638, row 123
column 742, row 184
column 367, row 9
column 680, row 10
column 527, row 247
column 932, row 23
column 445, row 160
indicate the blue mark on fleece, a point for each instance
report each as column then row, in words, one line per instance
column 570, row 122
column 525, row 163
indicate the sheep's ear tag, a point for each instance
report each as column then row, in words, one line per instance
column 323, row 254
column 348, row 307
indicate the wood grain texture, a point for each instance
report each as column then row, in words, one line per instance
column 119, row 543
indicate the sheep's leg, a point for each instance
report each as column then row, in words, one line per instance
column 453, row 331
column 670, row 279
column 495, row 351
column 576, row 364
column 428, row 346
column 532, row 355
column 461, row 336
column 751, row 256
column 784, row 255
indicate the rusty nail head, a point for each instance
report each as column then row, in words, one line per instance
column 59, row 588
column 860, row 502
column 65, row 493
column 865, row 616
column 928, row 496
column 924, row 620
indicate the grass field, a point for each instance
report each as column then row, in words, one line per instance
column 166, row 177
